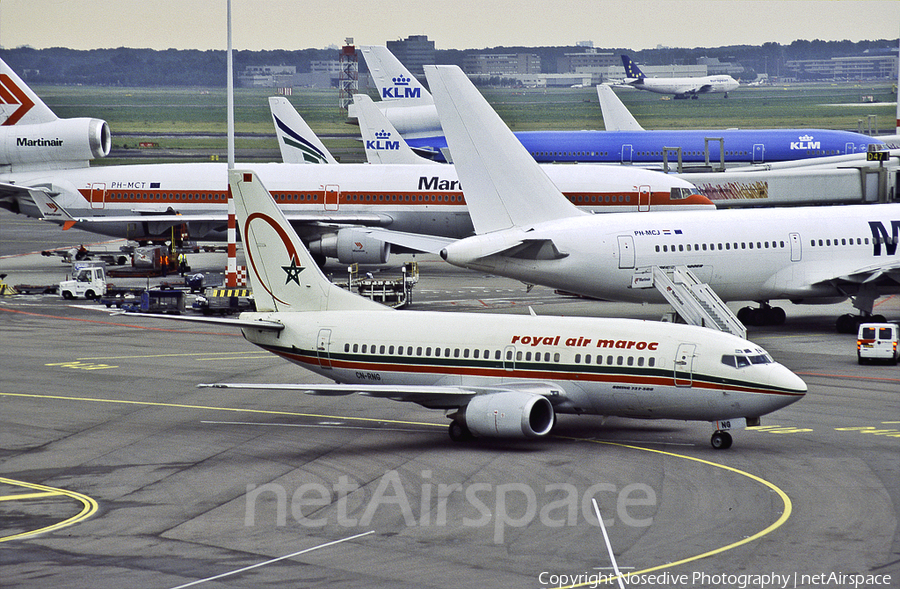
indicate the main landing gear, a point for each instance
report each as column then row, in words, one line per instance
column 720, row 440
column 764, row 315
column 850, row 323
column 459, row 432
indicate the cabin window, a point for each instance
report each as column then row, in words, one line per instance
column 620, row 360
column 419, row 351
column 528, row 356
column 651, row 361
column 631, row 360
column 409, row 351
column 466, row 353
column 355, row 348
column 346, row 347
column 456, row 353
column 587, row 358
column 437, row 352
column 476, row 353
column 380, row 350
column 640, row 361
column 609, row 360
column 518, row 356
column 508, row 354
column 428, row 351
column 577, row 358
column 364, row 348
column 391, row 350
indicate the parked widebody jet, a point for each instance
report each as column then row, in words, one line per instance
column 527, row 231
column 626, row 146
column 328, row 204
column 496, row 376
column 684, row 87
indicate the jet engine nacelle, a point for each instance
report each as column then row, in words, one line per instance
column 63, row 140
column 352, row 246
column 510, row 414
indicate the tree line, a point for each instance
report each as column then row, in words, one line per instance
column 177, row 67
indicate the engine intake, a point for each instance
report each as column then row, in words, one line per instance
column 509, row 414
column 63, row 140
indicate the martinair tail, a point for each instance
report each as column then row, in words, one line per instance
column 19, row 105
column 631, row 69
column 513, row 191
column 298, row 143
column 283, row 275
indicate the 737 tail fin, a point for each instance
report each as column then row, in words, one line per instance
column 616, row 117
column 393, row 80
column 383, row 143
column 631, row 69
column 503, row 185
column 282, row 273
column 19, row 105
column 298, row 143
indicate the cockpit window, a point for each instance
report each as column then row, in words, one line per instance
column 742, row 358
column 678, row 193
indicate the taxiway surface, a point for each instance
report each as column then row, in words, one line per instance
column 152, row 482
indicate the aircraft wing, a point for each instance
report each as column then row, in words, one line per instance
column 227, row 321
column 432, row 397
column 885, row 274
column 429, row 244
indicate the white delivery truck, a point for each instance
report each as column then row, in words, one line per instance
column 88, row 281
column 877, row 341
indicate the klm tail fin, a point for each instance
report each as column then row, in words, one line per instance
column 616, row 116
column 19, row 105
column 503, row 185
column 393, row 80
column 283, row 275
column 631, row 69
column 298, row 143
column 383, row 143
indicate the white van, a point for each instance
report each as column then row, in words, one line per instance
column 877, row 341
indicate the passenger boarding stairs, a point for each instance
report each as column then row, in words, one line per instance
column 695, row 301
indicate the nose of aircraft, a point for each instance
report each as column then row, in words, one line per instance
column 793, row 387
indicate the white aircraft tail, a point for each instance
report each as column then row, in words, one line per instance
column 393, row 80
column 383, row 143
column 616, row 117
column 298, row 143
column 282, row 273
column 503, row 185
column 19, row 105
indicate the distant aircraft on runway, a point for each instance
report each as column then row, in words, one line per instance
column 496, row 376
column 685, row 87
column 418, row 124
column 527, row 231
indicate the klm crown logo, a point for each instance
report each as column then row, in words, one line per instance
column 401, row 89
column 381, row 143
column 805, row 142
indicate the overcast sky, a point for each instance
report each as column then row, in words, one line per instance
column 451, row 24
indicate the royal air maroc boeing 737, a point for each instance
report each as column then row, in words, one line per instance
column 496, row 376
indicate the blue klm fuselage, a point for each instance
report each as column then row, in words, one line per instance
column 741, row 146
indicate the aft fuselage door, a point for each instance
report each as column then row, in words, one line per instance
column 644, row 199
column 759, row 153
column 684, row 365
column 509, row 358
column 323, row 344
column 332, row 197
column 98, row 195
column 626, row 251
column 796, row 247
column 627, row 150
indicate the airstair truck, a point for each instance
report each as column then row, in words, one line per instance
column 88, row 281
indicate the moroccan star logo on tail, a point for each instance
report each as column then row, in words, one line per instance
column 293, row 272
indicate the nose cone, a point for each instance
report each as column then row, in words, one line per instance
column 786, row 386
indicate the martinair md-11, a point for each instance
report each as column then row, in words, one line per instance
column 327, row 203
column 420, row 126
column 504, row 376
column 528, row 231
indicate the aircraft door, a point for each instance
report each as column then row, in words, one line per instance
column 644, row 199
column 849, row 148
column 626, row 251
column 323, row 345
column 684, row 365
column 627, row 151
column 509, row 358
column 332, row 197
column 98, row 195
column 759, row 153
column 796, row 247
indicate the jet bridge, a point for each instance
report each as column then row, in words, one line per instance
column 695, row 302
